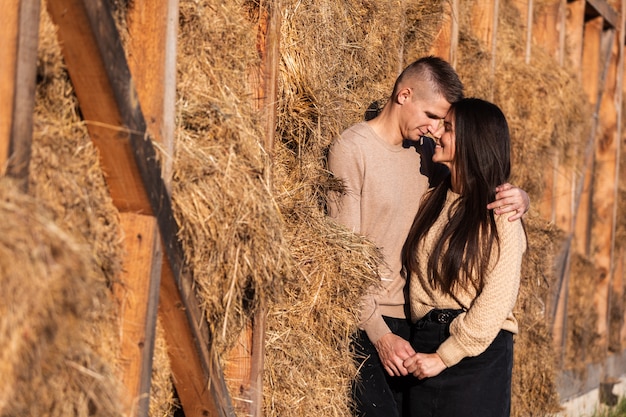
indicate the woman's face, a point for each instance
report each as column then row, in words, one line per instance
column 445, row 147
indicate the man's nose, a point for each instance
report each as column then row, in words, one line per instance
column 436, row 128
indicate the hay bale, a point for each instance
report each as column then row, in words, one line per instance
column 229, row 224
column 535, row 364
column 49, row 364
column 582, row 333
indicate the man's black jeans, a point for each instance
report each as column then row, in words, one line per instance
column 375, row 393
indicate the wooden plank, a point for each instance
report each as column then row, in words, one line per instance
column 107, row 91
column 546, row 31
column 604, row 192
column 564, row 208
column 137, row 295
column 9, row 31
column 18, row 86
column 575, row 23
column 96, row 63
column 151, row 51
column 618, row 251
column 484, row 25
column 592, row 77
column 446, row 41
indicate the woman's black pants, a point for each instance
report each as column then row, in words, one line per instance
column 477, row 386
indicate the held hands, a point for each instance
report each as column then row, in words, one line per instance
column 425, row 365
column 510, row 199
column 393, row 350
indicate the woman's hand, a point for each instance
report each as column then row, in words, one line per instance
column 424, row 365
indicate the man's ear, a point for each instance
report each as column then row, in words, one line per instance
column 404, row 95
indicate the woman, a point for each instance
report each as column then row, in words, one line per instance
column 463, row 263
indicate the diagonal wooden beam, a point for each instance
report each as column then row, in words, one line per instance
column 602, row 8
column 97, row 66
column 19, row 34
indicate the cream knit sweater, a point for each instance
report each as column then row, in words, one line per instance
column 487, row 312
column 383, row 188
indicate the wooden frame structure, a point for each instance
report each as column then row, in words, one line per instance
column 588, row 34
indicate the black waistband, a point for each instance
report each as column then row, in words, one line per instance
column 443, row 316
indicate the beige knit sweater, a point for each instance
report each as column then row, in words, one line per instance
column 383, row 188
column 486, row 313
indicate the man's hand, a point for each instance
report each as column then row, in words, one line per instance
column 425, row 365
column 393, row 350
column 510, row 199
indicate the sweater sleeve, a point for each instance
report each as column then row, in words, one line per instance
column 345, row 161
column 474, row 330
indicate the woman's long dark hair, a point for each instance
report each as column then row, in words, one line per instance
column 482, row 162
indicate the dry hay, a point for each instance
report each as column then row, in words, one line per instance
column 162, row 400
column 50, row 364
column 535, row 365
column 229, row 224
column 582, row 332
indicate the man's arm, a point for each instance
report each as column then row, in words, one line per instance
column 393, row 351
column 510, row 199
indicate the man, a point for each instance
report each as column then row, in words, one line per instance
column 384, row 181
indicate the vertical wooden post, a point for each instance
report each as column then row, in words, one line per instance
column 591, row 79
column 484, row 21
column 137, row 295
column 244, row 366
column 548, row 30
column 565, row 206
column 151, row 47
column 446, row 42
column 19, row 35
column 529, row 31
column 152, row 62
column 604, row 192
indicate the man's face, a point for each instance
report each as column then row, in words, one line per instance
column 424, row 116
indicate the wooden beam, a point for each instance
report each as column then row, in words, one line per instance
column 243, row 367
column 151, row 51
column 564, row 186
column 446, row 41
column 592, row 81
column 604, row 192
column 575, row 24
column 96, row 63
column 197, row 376
column 618, row 251
column 19, row 35
column 9, row 34
column 484, row 23
column 603, row 9
column 548, row 31
column 137, row 294
column 98, row 69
